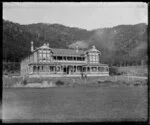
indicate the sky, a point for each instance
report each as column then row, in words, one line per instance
column 86, row 15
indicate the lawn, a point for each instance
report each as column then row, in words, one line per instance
column 75, row 104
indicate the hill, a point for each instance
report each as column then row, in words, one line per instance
column 123, row 44
column 17, row 38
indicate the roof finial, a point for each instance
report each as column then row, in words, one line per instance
column 77, row 48
column 93, row 47
column 48, row 44
column 44, row 44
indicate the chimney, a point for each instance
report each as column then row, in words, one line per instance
column 32, row 48
column 77, row 48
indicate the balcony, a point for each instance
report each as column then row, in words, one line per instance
column 70, row 61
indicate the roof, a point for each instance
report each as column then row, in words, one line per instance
column 93, row 49
column 45, row 46
column 67, row 52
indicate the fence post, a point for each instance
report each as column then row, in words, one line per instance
column 115, row 78
column 128, row 77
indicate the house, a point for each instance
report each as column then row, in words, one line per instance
column 51, row 62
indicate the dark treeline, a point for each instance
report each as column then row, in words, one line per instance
column 120, row 45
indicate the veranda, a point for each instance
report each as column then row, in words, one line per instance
column 67, row 69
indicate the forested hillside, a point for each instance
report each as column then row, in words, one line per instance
column 123, row 44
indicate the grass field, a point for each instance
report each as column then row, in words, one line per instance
column 75, row 104
column 12, row 82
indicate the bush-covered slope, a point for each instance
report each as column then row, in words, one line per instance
column 123, row 44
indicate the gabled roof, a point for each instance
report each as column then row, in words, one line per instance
column 93, row 49
column 43, row 47
column 67, row 51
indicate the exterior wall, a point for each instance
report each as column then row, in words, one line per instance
column 35, row 57
column 70, row 75
column 73, row 59
column 93, row 57
column 25, row 69
column 44, row 57
column 100, row 71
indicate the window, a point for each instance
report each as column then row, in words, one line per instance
column 106, row 69
column 64, row 57
column 34, row 68
column 94, row 69
column 82, row 58
column 58, row 69
column 84, row 69
column 69, row 58
column 101, row 69
column 88, row 69
column 78, row 68
column 51, row 68
column 59, row 58
column 44, row 55
column 48, row 51
column 54, row 57
column 38, row 68
column 40, row 55
column 44, row 51
column 48, row 56
column 40, row 60
column 94, row 59
column 79, row 58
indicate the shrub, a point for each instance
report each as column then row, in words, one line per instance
column 145, row 74
column 24, row 82
column 113, row 71
column 5, row 73
column 59, row 82
column 108, row 81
